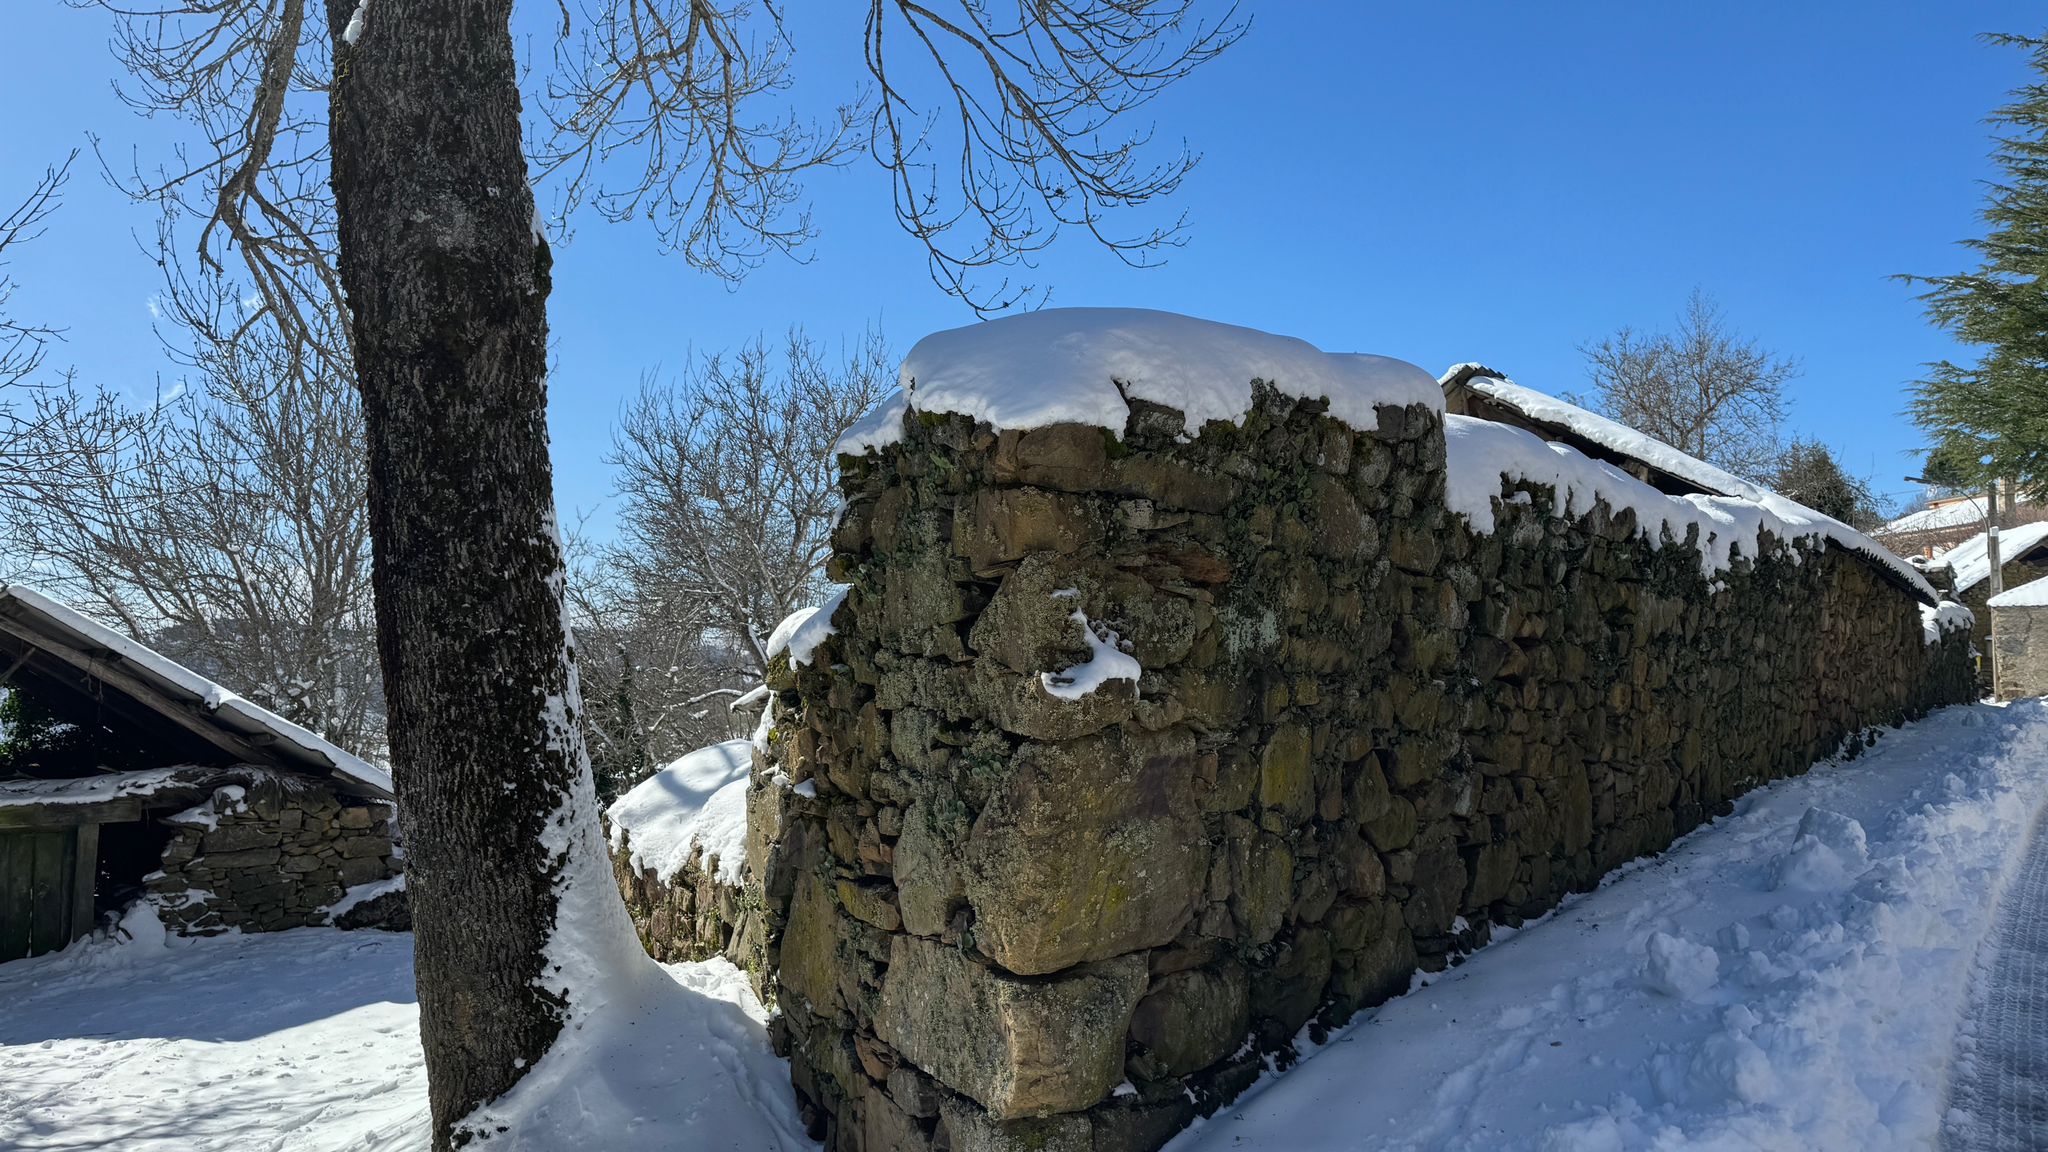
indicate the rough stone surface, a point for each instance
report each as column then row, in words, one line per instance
column 2020, row 641
column 1019, row 1048
column 275, row 854
column 1362, row 734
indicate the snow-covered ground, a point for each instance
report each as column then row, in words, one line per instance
column 1787, row 978
column 1783, row 979
column 308, row 1041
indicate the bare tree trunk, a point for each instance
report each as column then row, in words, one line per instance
column 447, row 280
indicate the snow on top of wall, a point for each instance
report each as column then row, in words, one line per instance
column 2033, row 594
column 1612, row 434
column 1080, row 365
column 235, row 713
column 1742, row 506
column 1479, row 453
column 1971, row 559
column 803, row 630
column 1948, row 616
column 696, row 801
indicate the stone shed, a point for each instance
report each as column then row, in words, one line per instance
column 125, row 776
column 2019, row 636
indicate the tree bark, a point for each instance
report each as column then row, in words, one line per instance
column 447, row 283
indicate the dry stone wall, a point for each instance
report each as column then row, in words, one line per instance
column 1002, row 918
column 270, row 855
column 693, row 915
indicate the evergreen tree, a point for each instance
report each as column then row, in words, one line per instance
column 2001, row 400
column 1809, row 473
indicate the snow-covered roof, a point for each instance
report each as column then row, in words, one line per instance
column 1971, row 560
column 2033, row 594
column 1083, row 365
column 1956, row 514
column 39, row 627
column 1609, row 434
column 1479, row 453
column 696, row 801
column 91, row 789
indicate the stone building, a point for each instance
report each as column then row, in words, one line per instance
column 124, row 775
column 2019, row 627
column 1966, row 569
column 1949, row 521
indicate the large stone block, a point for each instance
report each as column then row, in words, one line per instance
column 1189, row 1020
column 1020, row 1048
column 1089, row 849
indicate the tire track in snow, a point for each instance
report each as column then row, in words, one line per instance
column 1998, row 1091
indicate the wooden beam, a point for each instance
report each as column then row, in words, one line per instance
column 112, row 673
column 111, row 811
column 85, row 878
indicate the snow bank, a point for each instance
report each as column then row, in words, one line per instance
column 2033, row 594
column 1479, row 453
column 1083, row 365
column 1971, row 560
column 697, row 801
column 1692, row 1001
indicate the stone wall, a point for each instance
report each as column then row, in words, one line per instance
column 275, row 854
column 692, row 916
column 2020, row 635
column 1002, row 918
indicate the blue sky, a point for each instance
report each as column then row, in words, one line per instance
column 1440, row 182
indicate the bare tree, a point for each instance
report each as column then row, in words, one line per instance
column 229, row 530
column 656, row 680
column 23, row 344
column 1701, row 389
column 728, row 481
column 446, row 274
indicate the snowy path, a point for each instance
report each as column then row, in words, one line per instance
column 1999, row 1093
column 1750, row 989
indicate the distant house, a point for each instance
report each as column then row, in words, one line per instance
column 2023, row 558
column 1950, row 521
column 2020, row 631
column 125, row 775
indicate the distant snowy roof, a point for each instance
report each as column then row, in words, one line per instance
column 58, row 645
column 1603, row 432
column 698, row 801
column 1729, row 511
column 2033, row 594
column 1971, row 559
column 1079, row 366
column 1957, row 514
